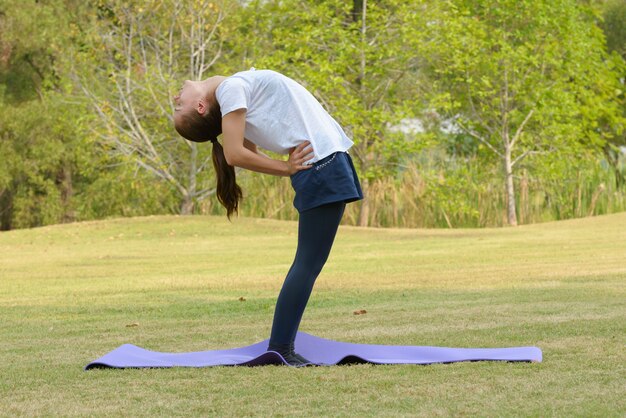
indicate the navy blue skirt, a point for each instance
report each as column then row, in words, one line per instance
column 332, row 179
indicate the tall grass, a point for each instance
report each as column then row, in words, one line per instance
column 442, row 192
column 468, row 195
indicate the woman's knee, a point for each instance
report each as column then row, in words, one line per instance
column 307, row 270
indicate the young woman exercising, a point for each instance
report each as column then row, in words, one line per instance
column 269, row 110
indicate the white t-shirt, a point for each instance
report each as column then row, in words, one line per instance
column 280, row 113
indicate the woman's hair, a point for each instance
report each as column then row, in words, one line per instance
column 202, row 128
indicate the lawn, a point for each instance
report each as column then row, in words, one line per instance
column 70, row 293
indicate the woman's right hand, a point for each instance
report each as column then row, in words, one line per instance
column 298, row 156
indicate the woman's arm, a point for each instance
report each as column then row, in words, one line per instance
column 238, row 152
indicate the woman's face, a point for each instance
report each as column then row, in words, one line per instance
column 188, row 98
column 196, row 96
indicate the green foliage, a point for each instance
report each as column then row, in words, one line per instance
column 614, row 16
column 541, row 70
column 436, row 190
column 497, row 61
column 35, row 40
column 53, row 170
column 33, row 165
column 358, row 66
column 121, row 189
column 526, row 78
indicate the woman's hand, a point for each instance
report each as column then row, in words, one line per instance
column 298, row 156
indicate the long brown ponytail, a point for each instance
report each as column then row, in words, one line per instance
column 228, row 192
column 198, row 128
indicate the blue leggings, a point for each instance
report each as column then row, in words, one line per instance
column 316, row 232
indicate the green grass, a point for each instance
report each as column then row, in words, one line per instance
column 69, row 292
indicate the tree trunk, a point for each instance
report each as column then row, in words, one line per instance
column 364, row 212
column 510, row 190
column 187, row 206
column 189, row 195
column 524, row 205
column 6, row 209
column 594, row 199
column 357, row 9
column 613, row 159
column 67, row 192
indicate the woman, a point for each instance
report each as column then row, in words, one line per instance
column 266, row 109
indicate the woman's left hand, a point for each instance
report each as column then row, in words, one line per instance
column 298, row 156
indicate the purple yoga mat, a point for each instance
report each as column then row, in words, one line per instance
column 318, row 350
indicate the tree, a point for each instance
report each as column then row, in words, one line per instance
column 352, row 56
column 38, row 141
column 524, row 78
column 613, row 18
column 149, row 48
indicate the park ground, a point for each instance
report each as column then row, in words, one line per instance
column 70, row 293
